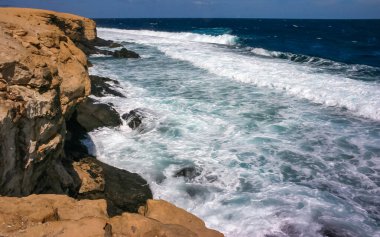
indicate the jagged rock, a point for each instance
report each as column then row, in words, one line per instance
column 92, row 114
column 125, row 53
column 100, row 86
column 189, row 173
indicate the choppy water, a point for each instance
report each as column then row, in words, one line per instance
column 283, row 146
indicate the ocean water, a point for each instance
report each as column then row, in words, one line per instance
column 279, row 118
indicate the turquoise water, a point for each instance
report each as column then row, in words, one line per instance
column 282, row 149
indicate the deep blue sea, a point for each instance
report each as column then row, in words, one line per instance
column 280, row 119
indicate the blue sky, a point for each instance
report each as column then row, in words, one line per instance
column 210, row 8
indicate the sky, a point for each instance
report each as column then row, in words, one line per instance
column 316, row 9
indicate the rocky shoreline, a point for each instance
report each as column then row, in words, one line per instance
column 44, row 113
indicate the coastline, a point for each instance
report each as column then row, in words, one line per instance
column 45, row 111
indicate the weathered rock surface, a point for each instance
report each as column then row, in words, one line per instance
column 43, row 76
column 92, row 114
column 63, row 216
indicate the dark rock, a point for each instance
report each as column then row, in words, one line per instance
column 189, row 173
column 115, row 45
column 91, row 115
column 125, row 53
column 142, row 120
column 100, row 87
column 74, row 149
column 124, row 191
column 134, row 118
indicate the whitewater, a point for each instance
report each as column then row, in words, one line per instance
column 279, row 147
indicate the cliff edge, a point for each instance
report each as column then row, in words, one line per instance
column 43, row 80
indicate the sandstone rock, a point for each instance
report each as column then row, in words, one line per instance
column 167, row 213
column 43, row 76
column 58, row 215
column 134, row 225
column 92, row 114
column 125, row 53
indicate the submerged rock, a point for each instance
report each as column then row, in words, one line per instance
column 125, row 53
column 134, row 118
column 100, row 86
column 189, row 173
column 91, row 115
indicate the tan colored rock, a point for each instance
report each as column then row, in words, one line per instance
column 43, row 76
column 134, row 225
column 91, row 174
column 167, row 213
column 58, row 215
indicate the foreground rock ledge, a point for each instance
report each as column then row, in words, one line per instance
column 59, row 215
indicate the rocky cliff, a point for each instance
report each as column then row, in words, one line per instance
column 44, row 84
column 43, row 76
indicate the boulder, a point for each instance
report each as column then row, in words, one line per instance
column 141, row 120
column 92, row 114
column 189, row 173
column 125, row 53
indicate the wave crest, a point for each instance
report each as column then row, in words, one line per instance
column 224, row 39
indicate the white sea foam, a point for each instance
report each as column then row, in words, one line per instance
column 225, row 39
column 271, row 164
column 360, row 97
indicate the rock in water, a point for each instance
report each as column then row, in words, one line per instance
column 125, row 53
column 189, row 173
column 100, row 86
column 142, row 120
column 134, row 118
column 91, row 115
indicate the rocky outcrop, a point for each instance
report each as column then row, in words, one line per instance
column 63, row 216
column 43, row 76
column 45, row 112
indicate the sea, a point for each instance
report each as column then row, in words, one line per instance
column 274, row 123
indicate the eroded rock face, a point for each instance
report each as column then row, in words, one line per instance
column 43, row 76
